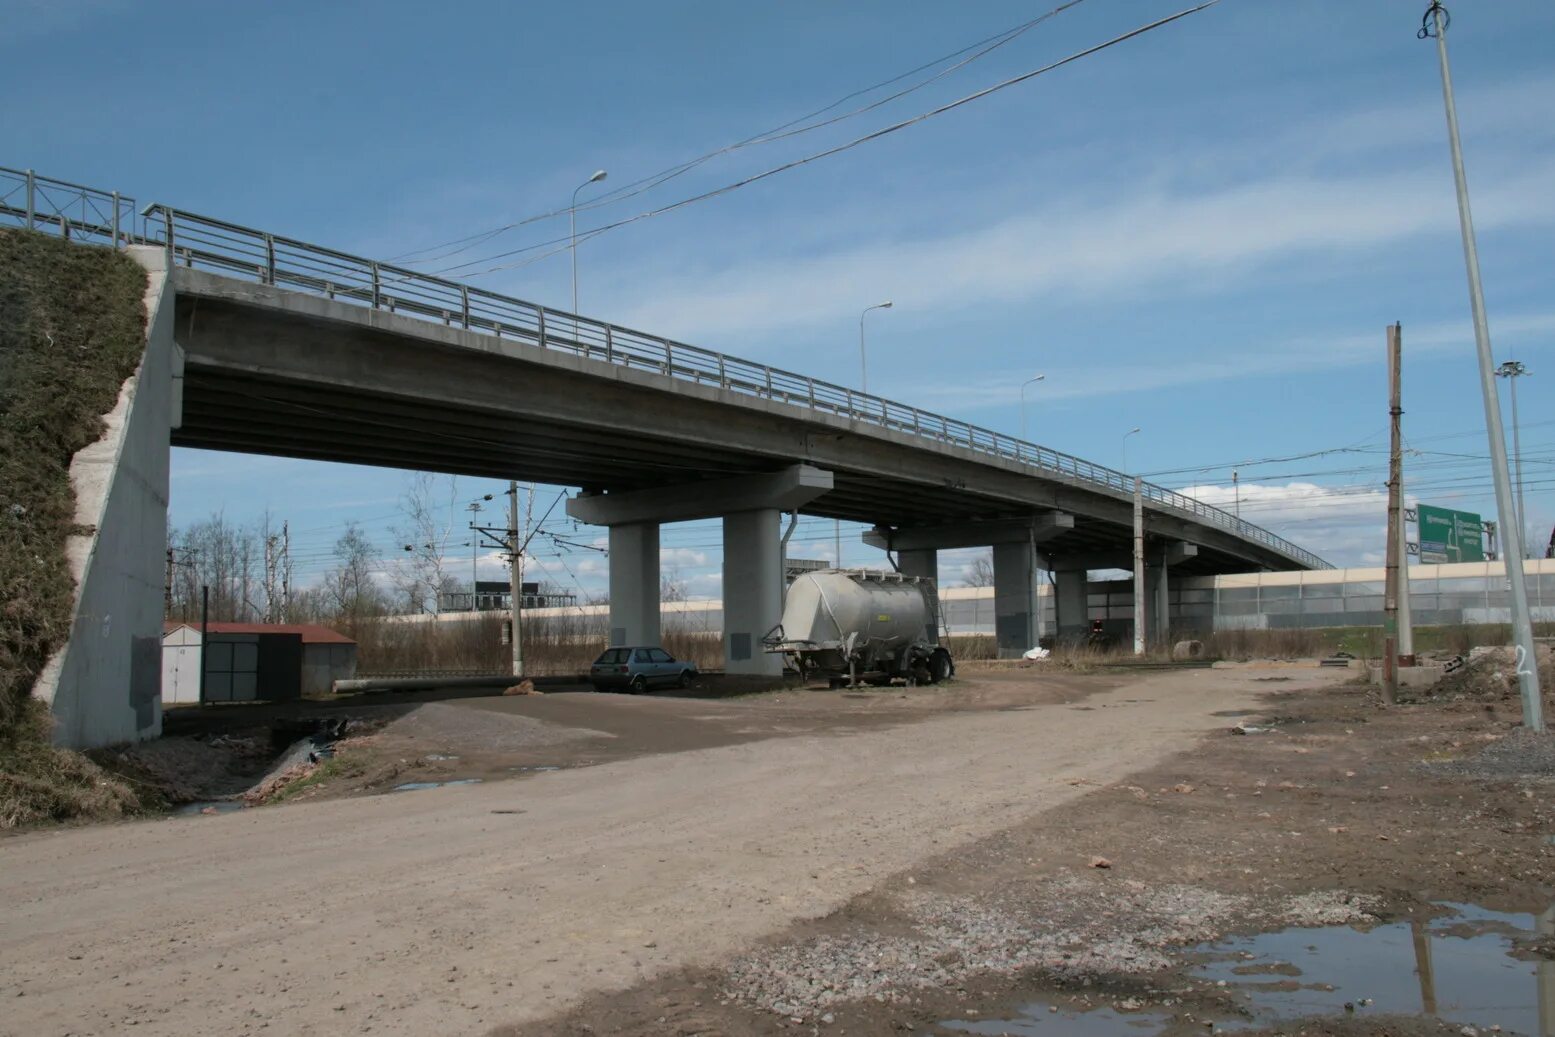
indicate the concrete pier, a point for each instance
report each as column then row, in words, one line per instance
column 753, row 590
column 634, row 584
column 751, row 507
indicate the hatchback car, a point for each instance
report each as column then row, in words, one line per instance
column 637, row 669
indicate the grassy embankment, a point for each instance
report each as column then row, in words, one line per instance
column 72, row 329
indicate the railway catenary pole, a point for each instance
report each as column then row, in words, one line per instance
column 1434, row 25
column 515, row 581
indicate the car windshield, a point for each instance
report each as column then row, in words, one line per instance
column 612, row 656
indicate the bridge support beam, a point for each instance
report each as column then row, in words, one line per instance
column 751, row 508
column 753, row 590
column 1158, row 617
column 1070, row 603
column 922, row 561
column 634, row 584
column 1016, row 621
column 1017, row 610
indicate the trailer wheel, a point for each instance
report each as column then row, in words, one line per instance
column 940, row 666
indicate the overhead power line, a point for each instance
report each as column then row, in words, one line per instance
column 792, row 128
column 567, row 242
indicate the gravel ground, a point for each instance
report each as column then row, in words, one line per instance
column 1069, row 929
column 452, row 726
column 1521, row 754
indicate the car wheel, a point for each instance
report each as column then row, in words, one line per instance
column 685, row 678
column 639, row 684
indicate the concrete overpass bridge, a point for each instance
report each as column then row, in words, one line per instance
column 282, row 347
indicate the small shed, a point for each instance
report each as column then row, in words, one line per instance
column 253, row 661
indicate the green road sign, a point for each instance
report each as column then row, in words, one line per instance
column 1451, row 536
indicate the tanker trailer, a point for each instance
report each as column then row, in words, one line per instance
column 858, row 624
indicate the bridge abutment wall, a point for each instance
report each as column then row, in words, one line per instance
column 104, row 685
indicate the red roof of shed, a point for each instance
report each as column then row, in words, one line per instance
column 312, row 633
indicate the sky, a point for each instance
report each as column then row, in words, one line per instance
column 1201, row 232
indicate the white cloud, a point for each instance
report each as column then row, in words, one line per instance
column 1344, row 525
column 1094, row 247
column 1219, row 362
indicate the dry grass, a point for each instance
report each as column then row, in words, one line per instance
column 72, row 329
column 39, row 783
column 552, row 646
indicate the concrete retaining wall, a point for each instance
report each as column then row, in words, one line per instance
column 104, row 685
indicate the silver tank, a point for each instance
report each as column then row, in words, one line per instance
column 881, row 610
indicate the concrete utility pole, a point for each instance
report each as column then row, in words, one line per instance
column 1435, row 25
column 1139, row 565
column 1236, row 492
column 1512, row 370
column 515, row 580
column 1395, row 540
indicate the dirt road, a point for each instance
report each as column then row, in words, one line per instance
column 458, row 909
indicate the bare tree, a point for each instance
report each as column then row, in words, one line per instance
column 350, row 587
column 222, row 558
column 422, row 575
column 672, row 585
column 980, row 572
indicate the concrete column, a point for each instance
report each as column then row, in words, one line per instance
column 1070, row 603
column 753, row 590
column 921, row 562
column 1014, row 598
column 1157, row 623
column 634, row 584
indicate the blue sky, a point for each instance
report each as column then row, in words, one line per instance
column 1201, row 232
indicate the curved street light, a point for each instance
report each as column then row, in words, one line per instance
column 863, row 367
column 1130, row 432
column 1512, row 370
column 572, row 224
column 1038, row 378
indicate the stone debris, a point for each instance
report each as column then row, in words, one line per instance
column 1074, row 928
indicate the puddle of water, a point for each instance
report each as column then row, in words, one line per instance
column 414, row 786
column 1456, row 968
column 534, row 769
column 439, row 757
column 1036, row 1019
column 1235, row 713
column 220, row 806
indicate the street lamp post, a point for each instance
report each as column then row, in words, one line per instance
column 1512, row 370
column 1434, row 27
column 1038, row 378
column 863, row 366
column 1130, row 432
column 572, row 223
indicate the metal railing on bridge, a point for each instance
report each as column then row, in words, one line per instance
column 86, row 214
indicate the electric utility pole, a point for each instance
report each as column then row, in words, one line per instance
column 1434, row 25
column 515, row 581
column 1398, row 639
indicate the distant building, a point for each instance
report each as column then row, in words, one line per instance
column 496, row 595
column 247, row 662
